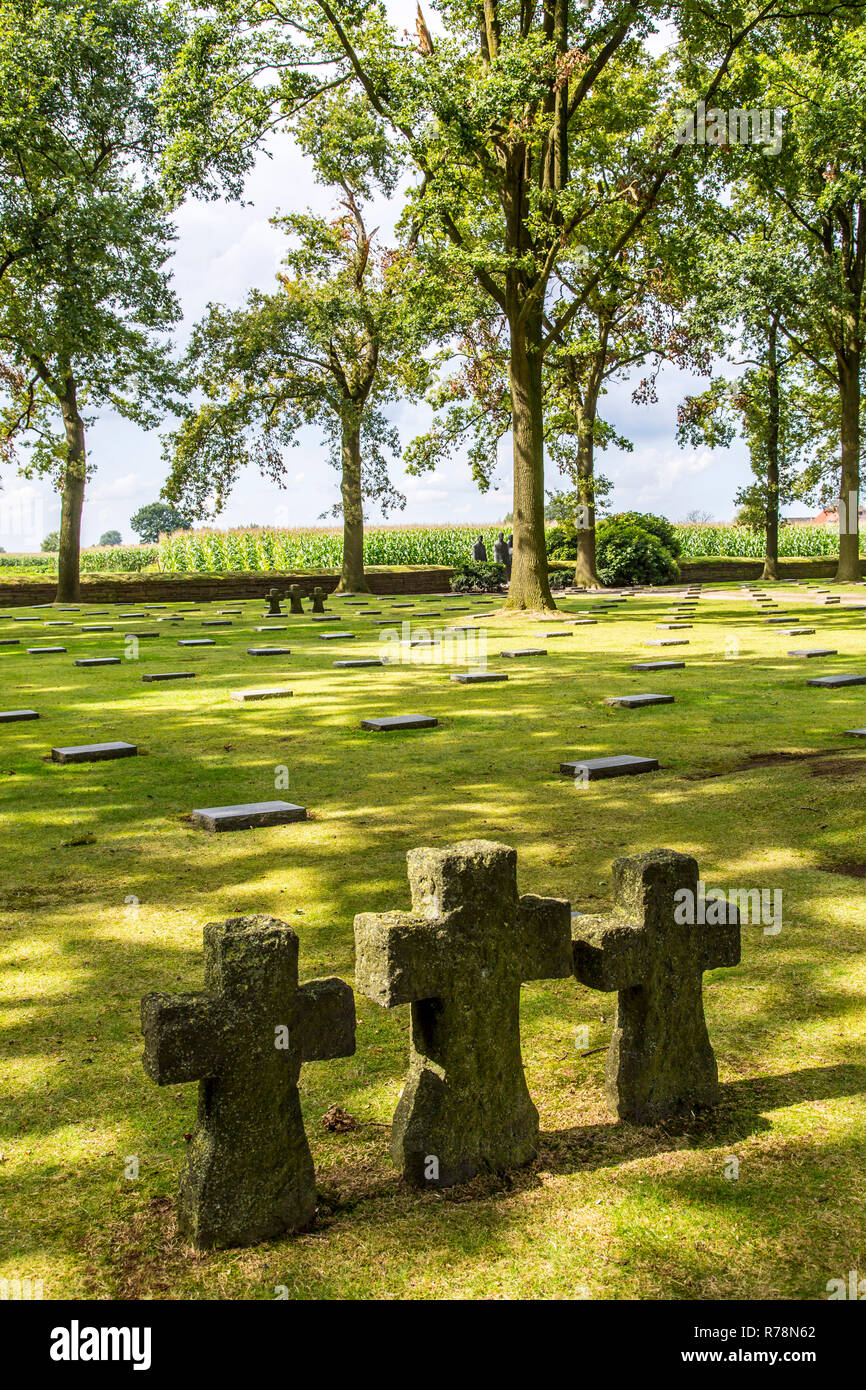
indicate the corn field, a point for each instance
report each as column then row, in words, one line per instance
column 744, row 542
column 321, row 548
column 261, row 549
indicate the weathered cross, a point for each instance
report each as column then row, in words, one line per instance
column 295, row 596
column 318, row 597
column 459, row 959
column 274, row 610
column 249, row 1174
column 660, row 1063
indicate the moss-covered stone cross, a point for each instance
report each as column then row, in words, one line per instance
column 274, row 610
column 660, row 1063
column 459, row 958
column 318, row 597
column 249, row 1172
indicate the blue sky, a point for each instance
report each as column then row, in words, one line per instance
column 224, row 250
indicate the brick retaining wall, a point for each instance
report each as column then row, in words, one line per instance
column 204, row 588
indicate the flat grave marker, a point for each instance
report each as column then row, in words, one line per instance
column 93, row 752
column 814, row 651
column 268, row 651
column 16, row 716
column 98, row 661
column 657, row 666
column 638, row 701
column 478, row 677
column 364, row 661
column 522, row 651
column 620, row 765
column 168, row 676
column 245, row 697
column 249, row 816
column 395, row 722
column 834, row 682
column 44, row 651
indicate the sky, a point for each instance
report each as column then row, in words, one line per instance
column 226, row 249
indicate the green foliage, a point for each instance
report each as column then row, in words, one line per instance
column 121, row 559
column 478, row 577
column 262, row 549
column 659, row 526
column 111, row 538
column 561, row 578
column 52, row 541
column 628, row 554
column 157, row 519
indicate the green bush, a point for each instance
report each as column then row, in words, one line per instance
column 52, row 541
column 561, row 578
column 628, row 554
column 561, row 543
column 656, row 525
column 488, row 578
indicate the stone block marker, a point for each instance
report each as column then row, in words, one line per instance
column 478, row 677
column 657, row 666
column 525, row 651
column 248, row 696
column 10, row 642
column 668, row 642
column 364, row 661
column 856, row 733
column 660, row 1064
column 15, row 716
column 249, row 1173
column 44, row 651
column 93, row 752
column 638, row 701
column 98, row 661
column 814, row 651
column 834, row 682
column 253, row 815
column 196, row 642
column 169, row 676
column 269, row 651
column 335, row 636
column 400, row 721
column 273, row 627
column 459, row 958
column 620, row 765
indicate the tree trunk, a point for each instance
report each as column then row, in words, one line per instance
column 68, row 559
column 771, row 528
column 849, row 487
column 585, row 572
column 530, row 586
column 352, row 578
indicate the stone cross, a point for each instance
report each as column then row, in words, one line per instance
column 274, row 610
column 295, row 595
column 459, row 958
column 249, row 1172
column 660, row 1064
column 318, row 597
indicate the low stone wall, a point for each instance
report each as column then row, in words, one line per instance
column 206, row 588
column 724, row 571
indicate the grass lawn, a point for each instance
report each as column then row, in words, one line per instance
column 107, row 886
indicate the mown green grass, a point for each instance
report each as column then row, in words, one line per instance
column 609, row 1210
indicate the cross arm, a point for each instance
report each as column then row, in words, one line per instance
column 399, row 958
column 608, row 953
column 325, row 1019
column 544, row 930
column 184, row 1036
column 721, row 945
